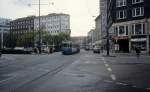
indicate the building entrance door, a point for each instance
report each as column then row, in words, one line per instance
column 123, row 45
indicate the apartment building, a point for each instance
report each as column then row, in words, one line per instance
column 21, row 26
column 54, row 23
column 129, row 22
column 4, row 30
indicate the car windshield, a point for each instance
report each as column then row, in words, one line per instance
column 74, row 45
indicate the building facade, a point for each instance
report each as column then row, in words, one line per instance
column 103, row 13
column 54, row 23
column 4, row 30
column 98, row 31
column 91, row 38
column 129, row 22
column 22, row 26
column 80, row 40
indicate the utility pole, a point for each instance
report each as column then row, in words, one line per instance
column 40, row 39
column 2, row 37
column 108, row 44
column 39, row 31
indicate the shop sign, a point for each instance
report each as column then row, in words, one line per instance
column 120, row 37
column 138, row 40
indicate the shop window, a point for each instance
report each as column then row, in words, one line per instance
column 138, row 29
column 121, row 30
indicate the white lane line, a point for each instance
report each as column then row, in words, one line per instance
column 113, row 77
column 109, row 69
column 105, row 62
column 134, row 86
column 108, row 81
column 147, row 88
column 119, row 83
column 107, row 65
column 103, row 59
column 2, row 81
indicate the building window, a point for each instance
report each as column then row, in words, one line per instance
column 121, row 14
column 138, row 29
column 137, row 1
column 120, row 3
column 127, row 30
column 121, row 30
column 138, row 12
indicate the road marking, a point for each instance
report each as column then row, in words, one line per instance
column 109, row 69
column 105, row 62
column 119, row 83
column 113, row 77
column 103, row 59
column 147, row 88
column 108, row 81
column 3, row 81
column 107, row 65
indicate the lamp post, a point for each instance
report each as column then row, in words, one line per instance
column 2, row 34
column 40, row 40
column 108, row 44
column 39, row 31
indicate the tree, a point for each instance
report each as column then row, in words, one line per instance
column 10, row 41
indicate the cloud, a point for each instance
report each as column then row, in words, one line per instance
column 81, row 11
column 21, row 2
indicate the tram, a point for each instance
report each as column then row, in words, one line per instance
column 69, row 48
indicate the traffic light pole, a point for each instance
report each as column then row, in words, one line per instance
column 108, row 44
column 40, row 43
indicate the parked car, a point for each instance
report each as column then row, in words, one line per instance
column 87, row 48
column 96, row 49
column 17, row 50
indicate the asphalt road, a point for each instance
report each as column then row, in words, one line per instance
column 83, row 72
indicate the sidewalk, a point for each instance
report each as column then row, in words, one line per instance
column 124, row 54
column 126, row 58
column 6, row 58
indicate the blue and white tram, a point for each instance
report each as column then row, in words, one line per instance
column 68, row 48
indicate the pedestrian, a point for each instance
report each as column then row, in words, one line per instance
column 138, row 51
column 35, row 50
column 50, row 50
column 102, row 49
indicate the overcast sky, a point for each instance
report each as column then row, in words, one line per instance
column 81, row 11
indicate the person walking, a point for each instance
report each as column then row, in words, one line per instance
column 138, row 51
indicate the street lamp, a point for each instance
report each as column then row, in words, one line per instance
column 39, row 31
column 2, row 34
column 40, row 40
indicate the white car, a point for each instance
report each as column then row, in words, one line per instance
column 96, row 49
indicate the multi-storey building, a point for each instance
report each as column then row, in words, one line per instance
column 129, row 20
column 80, row 40
column 54, row 23
column 20, row 27
column 98, row 31
column 4, row 30
column 91, row 38
column 103, row 13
